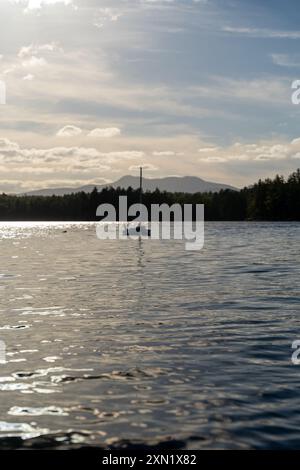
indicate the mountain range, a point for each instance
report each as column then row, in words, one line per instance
column 184, row 184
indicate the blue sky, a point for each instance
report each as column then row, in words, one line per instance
column 183, row 87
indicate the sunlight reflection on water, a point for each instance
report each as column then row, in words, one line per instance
column 146, row 342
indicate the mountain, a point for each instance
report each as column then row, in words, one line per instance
column 184, row 184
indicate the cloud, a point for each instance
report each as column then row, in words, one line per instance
column 267, row 90
column 47, row 167
column 69, row 131
column 29, row 57
column 208, row 149
column 262, row 32
column 34, row 62
column 6, row 145
column 34, row 49
column 238, row 163
column 164, row 153
column 258, row 152
column 105, row 132
column 37, row 4
column 98, row 133
column 112, row 157
column 285, row 60
column 29, row 77
column 105, row 15
column 146, row 167
column 214, row 159
column 11, row 151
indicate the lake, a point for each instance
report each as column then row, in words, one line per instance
column 122, row 344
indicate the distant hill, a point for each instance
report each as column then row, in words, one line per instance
column 185, row 184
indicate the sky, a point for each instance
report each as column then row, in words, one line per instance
column 96, row 88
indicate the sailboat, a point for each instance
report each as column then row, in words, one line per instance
column 139, row 230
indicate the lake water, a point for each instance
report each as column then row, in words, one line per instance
column 125, row 343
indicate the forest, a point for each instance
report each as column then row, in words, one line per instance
column 275, row 199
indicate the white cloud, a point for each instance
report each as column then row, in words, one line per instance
column 164, row 153
column 146, row 167
column 37, row 4
column 296, row 156
column 285, row 60
column 29, row 77
column 78, row 165
column 28, row 57
column 208, row 149
column 34, row 49
column 112, row 157
column 106, row 14
column 69, row 131
column 6, row 145
column 214, row 159
column 262, row 32
column 259, row 152
column 46, row 167
column 34, row 62
column 105, row 132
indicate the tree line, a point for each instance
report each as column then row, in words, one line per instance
column 275, row 199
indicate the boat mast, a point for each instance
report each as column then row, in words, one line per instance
column 141, row 185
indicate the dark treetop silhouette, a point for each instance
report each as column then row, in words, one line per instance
column 277, row 199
